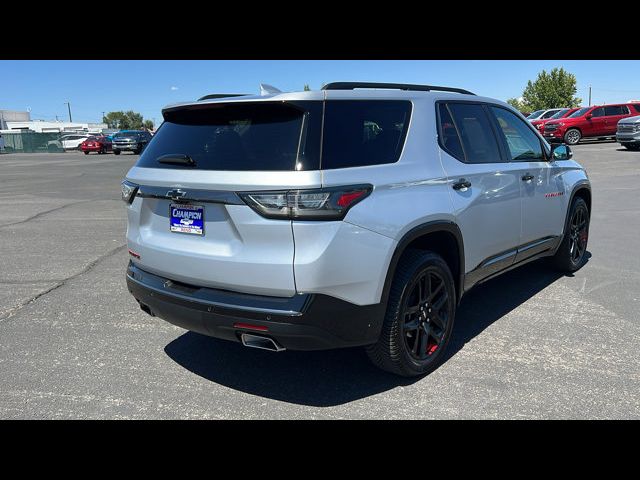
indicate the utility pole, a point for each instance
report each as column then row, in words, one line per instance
column 102, row 119
column 589, row 95
column 69, row 107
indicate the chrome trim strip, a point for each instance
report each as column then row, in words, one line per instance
column 499, row 258
column 190, row 195
column 529, row 246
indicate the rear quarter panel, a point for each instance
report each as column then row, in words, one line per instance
column 350, row 260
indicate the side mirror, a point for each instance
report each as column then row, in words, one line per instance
column 588, row 117
column 561, row 152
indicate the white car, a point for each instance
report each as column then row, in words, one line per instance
column 67, row 142
column 543, row 114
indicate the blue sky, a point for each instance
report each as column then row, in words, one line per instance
column 146, row 86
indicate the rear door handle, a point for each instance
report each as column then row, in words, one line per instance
column 527, row 177
column 462, row 183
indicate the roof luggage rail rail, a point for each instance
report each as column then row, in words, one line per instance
column 395, row 86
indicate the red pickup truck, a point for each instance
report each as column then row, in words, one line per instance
column 594, row 121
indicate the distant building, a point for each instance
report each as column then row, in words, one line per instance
column 53, row 127
column 12, row 116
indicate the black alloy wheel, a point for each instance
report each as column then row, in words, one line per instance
column 578, row 234
column 425, row 315
column 419, row 317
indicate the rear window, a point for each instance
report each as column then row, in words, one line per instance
column 364, row 132
column 242, row 136
column 636, row 107
column 283, row 136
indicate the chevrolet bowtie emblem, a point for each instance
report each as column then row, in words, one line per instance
column 176, row 194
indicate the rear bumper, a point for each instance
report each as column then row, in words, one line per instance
column 301, row 322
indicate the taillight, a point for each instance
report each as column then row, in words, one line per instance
column 314, row 204
column 129, row 191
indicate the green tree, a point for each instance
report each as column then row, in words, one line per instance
column 148, row 124
column 519, row 105
column 550, row 90
column 128, row 120
column 306, row 87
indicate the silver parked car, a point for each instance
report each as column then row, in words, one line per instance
column 628, row 133
column 357, row 215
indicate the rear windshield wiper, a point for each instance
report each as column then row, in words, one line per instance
column 177, row 159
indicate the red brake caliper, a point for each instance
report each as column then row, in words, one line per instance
column 583, row 237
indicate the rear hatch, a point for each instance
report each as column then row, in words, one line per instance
column 186, row 219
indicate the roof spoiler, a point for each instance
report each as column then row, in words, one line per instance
column 222, row 95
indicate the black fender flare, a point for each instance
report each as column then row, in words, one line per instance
column 420, row 231
column 580, row 185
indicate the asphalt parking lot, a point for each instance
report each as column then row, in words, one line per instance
column 74, row 344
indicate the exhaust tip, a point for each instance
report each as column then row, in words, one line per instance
column 146, row 309
column 263, row 343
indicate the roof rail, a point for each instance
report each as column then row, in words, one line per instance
column 396, row 86
column 222, row 95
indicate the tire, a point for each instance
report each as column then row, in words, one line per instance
column 632, row 147
column 399, row 349
column 116, row 152
column 571, row 253
column 572, row 136
column 86, row 153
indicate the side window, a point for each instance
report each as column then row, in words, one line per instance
column 598, row 112
column 522, row 142
column 478, row 140
column 613, row 110
column 636, row 107
column 364, row 132
column 549, row 114
column 448, row 134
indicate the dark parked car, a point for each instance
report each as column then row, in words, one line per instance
column 130, row 141
column 98, row 144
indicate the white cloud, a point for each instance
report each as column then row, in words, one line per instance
column 173, row 89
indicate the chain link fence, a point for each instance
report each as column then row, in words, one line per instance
column 32, row 142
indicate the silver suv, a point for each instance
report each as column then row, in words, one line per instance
column 357, row 215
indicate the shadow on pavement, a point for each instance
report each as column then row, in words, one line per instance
column 335, row 377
